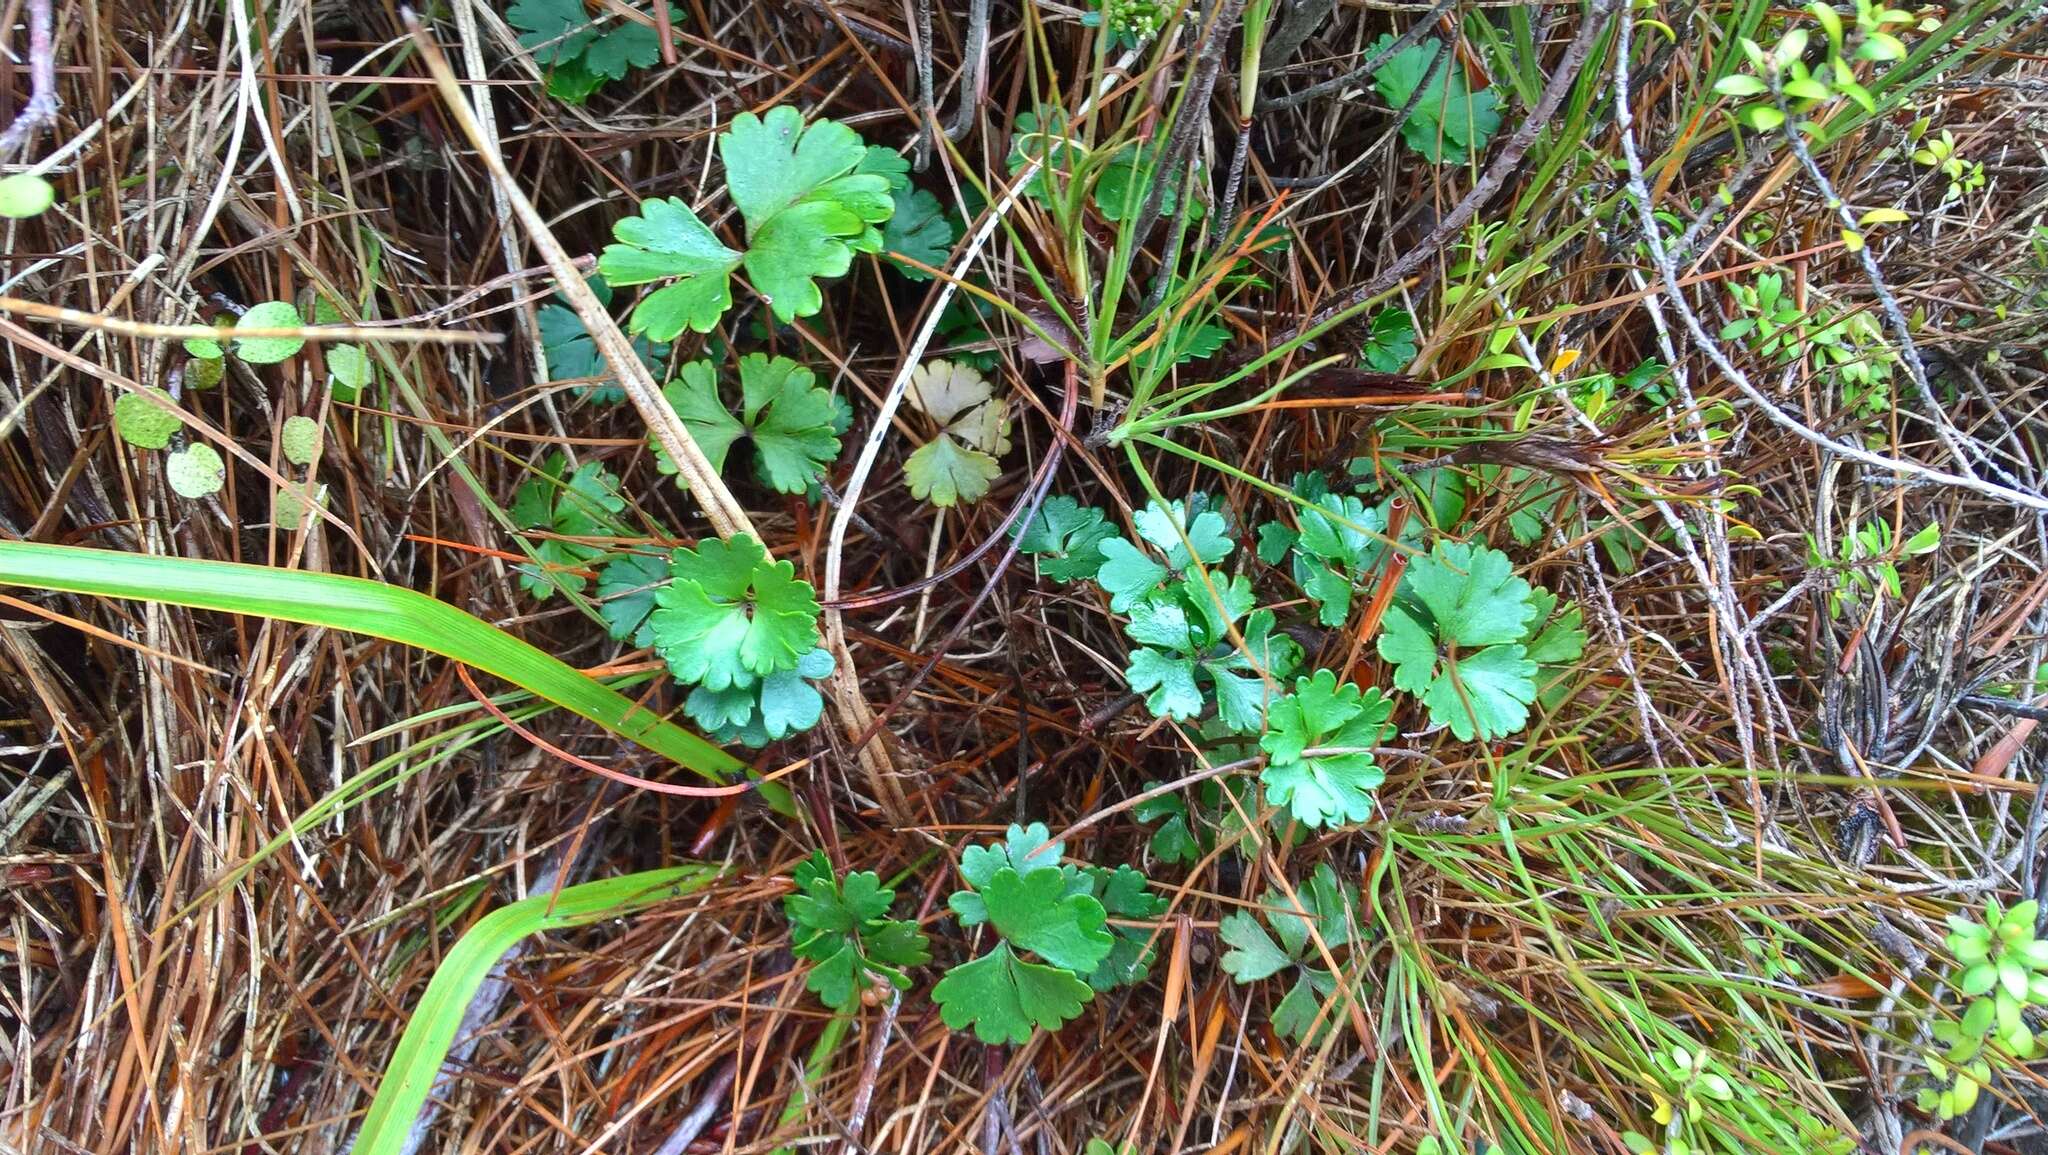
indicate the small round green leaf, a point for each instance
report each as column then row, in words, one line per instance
column 300, row 440
column 349, row 366
column 24, row 195
column 142, row 424
column 195, row 471
column 269, row 350
column 204, row 372
column 287, row 511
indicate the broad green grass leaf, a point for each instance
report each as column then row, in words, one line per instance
column 358, row 606
column 415, row 1065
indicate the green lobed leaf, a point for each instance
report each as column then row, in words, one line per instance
column 1004, row 997
column 947, row 473
column 1065, row 539
column 1125, row 893
column 787, row 421
column 666, row 242
column 918, row 228
column 626, row 586
column 842, row 926
column 1036, row 912
column 583, row 504
column 731, row 615
column 806, row 209
column 1325, row 789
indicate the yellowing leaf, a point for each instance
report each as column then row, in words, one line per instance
column 943, row 390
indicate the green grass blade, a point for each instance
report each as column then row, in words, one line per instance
column 431, row 1030
column 358, row 606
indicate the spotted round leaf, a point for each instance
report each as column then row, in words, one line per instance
column 195, row 471
column 202, row 373
column 143, row 421
column 269, row 350
column 300, row 440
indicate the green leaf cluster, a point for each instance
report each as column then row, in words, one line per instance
column 790, row 424
column 1194, row 636
column 2004, row 972
column 1322, row 911
column 842, row 927
column 572, row 355
column 1036, row 907
column 1065, row 538
column 959, row 461
column 1450, row 123
column 809, row 196
column 1454, row 636
column 565, row 505
column 578, row 54
column 1339, row 540
column 1320, row 750
column 742, row 629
